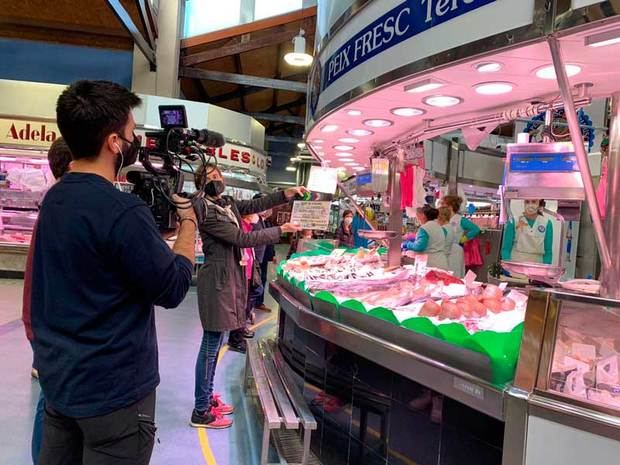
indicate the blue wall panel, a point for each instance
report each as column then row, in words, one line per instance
column 25, row 60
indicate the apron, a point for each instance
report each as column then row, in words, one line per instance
column 436, row 249
column 529, row 244
column 456, row 257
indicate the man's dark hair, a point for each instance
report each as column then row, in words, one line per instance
column 89, row 111
column 59, row 157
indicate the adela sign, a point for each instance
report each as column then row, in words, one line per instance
column 407, row 20
column 29, row 133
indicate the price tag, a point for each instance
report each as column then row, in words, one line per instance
column 311, row 215
column 323, row 179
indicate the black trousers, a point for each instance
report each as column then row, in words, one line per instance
column 123, row 437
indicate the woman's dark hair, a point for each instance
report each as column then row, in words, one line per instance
column 200, row 176
column 454, row 202
column 59, row 157
column 430, row 212
column 347, row 213
column 89, row 111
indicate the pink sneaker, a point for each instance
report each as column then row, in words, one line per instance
column 213, row 419
column 219, row 404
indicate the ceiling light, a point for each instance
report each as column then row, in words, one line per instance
column 548, row 72
column 298, row 57
column 349, row 140
column 317, row 141
column 494, row 88
column 603, row 39
column 346, row 159
column 352, row 163
column 329, row 128
column 294, row 159
column 378, row 123
column 442, row 101
column 488, row 67
column 290, row 168
column 343, row 154
column 8, row 159
column 343, row 148
column 301, row 145
column 423, row 86
column 38, row 161
column 354, row 113
column 407, row 111
column 359, row 168
column 360, row 132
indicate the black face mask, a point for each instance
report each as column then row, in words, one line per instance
column 129, row 153
column 215, row 188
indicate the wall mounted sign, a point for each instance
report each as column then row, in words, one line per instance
column 407, row 20
column 238, row 156
column 28, row 133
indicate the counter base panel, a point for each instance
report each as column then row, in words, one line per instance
column 13, row 260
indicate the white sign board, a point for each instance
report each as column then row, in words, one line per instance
column 323, row 180
column 311, row 215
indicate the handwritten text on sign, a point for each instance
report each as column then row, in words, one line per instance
column 311, row 215
column 407, row 20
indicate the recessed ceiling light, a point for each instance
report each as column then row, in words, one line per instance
column 329, row 128
column 548, row 72
column 603, row 39
column 359, row 168
column 346, row 159
column 343, row 148
column 352, row 163
column 442, row 101
column 488, row 67
column 494, row 88
column 343, row 154
column 407, row 111
column 354, row 113
column 378, row 123
column 360, row 132
column 317, row 141
column 349, row 140
column 423, row 86
column 290, row 168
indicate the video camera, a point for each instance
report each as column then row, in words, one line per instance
column 176, row 146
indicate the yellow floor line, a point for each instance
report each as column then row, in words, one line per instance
column 203, row 437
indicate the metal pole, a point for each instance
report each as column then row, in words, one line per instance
column 610, row 287
column 580, row 151
column 395, row 222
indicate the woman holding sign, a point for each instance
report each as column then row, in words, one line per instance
column 222, row 280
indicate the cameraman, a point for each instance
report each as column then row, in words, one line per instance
column 99, row 267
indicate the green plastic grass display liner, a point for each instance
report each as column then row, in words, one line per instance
column 502, row 348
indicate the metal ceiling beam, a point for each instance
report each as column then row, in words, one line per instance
column 144, row 17
column 278, row 118
column 245, row 44
column 242, row 79
column 283, row 139
column 134, row 32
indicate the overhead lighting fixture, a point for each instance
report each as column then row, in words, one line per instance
column 494, row 88
column 343, row 154
column 442, row 101
column 290, row 168
column 317, row 141
column 346, row 159
column 343, row 148
column 603, row 39
column 354, row 113
column 378, row 123
column 407, row 111
column 301, row 145
column 352, row 163
column 299, row 57
column 359, row 168
column 548, row 72
column 423, row 86
column 349, row 140
column 8, row 159
column 329, row 128
column 360, row 132
column 488, row 67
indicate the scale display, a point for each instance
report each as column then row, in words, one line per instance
column 543, row 162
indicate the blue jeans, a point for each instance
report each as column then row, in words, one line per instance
column 205, row 368
column 37, row 428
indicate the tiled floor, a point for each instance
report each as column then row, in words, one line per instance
column 179, row 333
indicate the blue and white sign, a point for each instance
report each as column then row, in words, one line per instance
column 407, row 20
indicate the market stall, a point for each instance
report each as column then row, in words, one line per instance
column 27, row 133
column 406, row 364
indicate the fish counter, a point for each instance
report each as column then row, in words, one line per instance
column 412, row 365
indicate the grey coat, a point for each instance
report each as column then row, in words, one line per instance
column 222, row 283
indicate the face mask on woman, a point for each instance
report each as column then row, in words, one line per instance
column 215, row 188
column 348, row 220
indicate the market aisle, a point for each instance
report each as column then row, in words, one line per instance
column 179, row 335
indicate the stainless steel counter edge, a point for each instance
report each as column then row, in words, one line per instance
column 456, row 384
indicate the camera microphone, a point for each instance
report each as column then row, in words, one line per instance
column 205, row 137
